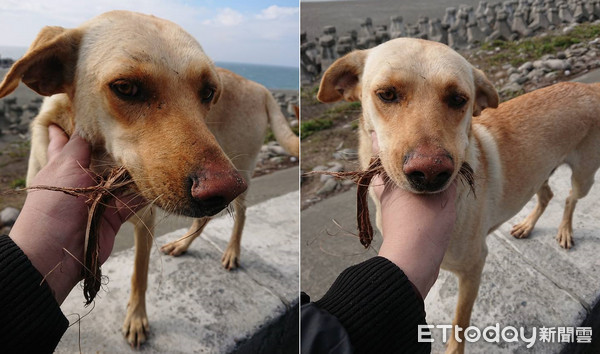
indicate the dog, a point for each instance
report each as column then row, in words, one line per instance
column 433, row 114
column 146, row 97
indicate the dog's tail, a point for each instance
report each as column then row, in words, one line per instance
column 280, row 127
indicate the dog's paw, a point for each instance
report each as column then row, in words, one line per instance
column 565, row 238
column 230, row 259
column 135, row 328
column 522, row 229
column 175, row 248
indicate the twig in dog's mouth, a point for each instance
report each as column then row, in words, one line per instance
column 98, row 196
column 363, row 180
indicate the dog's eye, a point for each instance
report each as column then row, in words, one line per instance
column 125, row 89
column 207, row 94
column 456, row 101
column 388, row 96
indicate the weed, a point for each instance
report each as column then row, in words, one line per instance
column 309, row 127
column 18, row 183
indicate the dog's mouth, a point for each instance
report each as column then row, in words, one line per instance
column 363, row 181
column 418, row 184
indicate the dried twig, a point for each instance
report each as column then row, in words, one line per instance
column 118, row 180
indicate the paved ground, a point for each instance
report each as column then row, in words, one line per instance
column 261, row 189
column 194, row 305
column 526, row 283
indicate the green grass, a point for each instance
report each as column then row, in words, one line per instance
column 18, row 183
column 519, row 52
column 308, row 96
column 309, row 127
column 326, row 120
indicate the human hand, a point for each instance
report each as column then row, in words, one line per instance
column 416, row 229
column 51, row 227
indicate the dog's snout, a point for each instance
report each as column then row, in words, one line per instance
column 212, row 189
column 428, row 172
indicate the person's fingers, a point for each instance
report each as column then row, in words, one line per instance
column 58, row 140
column 79, row 150
column 74, row 147
column 377, row 185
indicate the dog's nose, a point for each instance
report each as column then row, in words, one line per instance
column 428, row 172
column 212, row 189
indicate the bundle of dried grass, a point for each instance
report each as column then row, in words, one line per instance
column 98, row 196
column 363, row 180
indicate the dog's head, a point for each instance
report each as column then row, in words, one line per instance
column 418, row 97
column 140, row 88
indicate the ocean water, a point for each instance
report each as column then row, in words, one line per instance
column 270, row 76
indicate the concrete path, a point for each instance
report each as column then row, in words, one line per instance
column 193, row 304
column 526, row 283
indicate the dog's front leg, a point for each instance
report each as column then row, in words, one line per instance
column 468, row 286
column 135, row 328
column 523, row 229
column 231, row 256
column 181, row 245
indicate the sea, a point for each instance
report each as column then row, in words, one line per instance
column 271, row 76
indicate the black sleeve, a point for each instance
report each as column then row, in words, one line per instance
column 377, row 307
column 30, row 318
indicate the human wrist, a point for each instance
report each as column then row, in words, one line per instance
column 47, row 250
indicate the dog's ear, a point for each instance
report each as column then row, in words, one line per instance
column 485, row 93
column 48, row 67
column 342, row 78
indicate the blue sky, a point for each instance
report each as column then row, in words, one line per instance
column 252, row 31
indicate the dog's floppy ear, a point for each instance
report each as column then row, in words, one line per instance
column 48, row 66
column 342, row 77
column 485, row 93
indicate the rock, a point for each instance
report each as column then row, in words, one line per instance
column 561, row 55
column 8, row 216
column 329, row 186
column 517, row 78
column 320, row 168
column 346, row 154
column 335, row 167
column 277, row 150
column 528, row 66
column 556, row 64
column 511, row 87
column 277, row 159
column 576, row 51
column 536, row 74
column 551, row 75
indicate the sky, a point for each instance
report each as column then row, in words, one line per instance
column 251, row 31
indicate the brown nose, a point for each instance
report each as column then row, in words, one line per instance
column 428, row 169
column 213, row 188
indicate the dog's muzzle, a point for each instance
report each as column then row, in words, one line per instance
column 428, row 171
column 211, row 190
